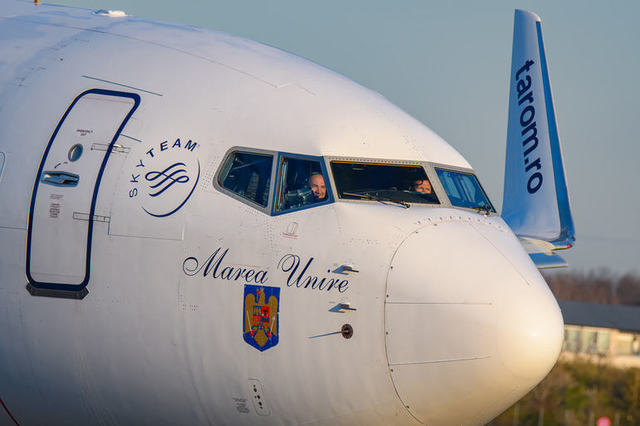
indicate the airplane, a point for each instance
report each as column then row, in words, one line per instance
column 196, row 228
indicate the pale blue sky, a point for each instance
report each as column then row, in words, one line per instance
column 447, row 64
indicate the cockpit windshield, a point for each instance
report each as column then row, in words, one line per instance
column 464, row 190
column 399, row 183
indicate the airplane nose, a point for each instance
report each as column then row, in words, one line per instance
column 531, row 336
column 471, row 325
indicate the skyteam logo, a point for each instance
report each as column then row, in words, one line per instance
column 260, row 316
column 166, row 177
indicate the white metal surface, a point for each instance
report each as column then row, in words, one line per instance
column 159, row 337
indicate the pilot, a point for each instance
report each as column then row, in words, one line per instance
column 421, row 185
column 318, row 187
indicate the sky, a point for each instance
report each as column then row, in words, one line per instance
column 447, row 64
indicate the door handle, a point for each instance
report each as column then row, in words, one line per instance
column 60, row 178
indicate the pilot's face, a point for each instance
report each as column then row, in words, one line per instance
column 422, row 186
column 318, row 187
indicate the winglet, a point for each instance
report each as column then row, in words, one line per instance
column 536, row 201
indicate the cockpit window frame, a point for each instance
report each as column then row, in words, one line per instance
column 428, row 169
column 325, row 173
column 464, row 170
column 325, row 165
column 243, row 149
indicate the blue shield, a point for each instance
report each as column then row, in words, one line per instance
column 260, row 316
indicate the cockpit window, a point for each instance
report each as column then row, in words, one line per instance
column 248, row 175
column 383, row 182
column 302, row 182
column 464, row 190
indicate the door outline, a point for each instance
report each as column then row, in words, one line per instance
column 73, row 291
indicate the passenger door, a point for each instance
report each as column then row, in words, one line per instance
column 66, row 190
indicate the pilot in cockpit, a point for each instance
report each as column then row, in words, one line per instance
column 421, row 185
column 318, row 187
column 302, row 186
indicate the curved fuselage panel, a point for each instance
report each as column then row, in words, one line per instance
column 135, row 291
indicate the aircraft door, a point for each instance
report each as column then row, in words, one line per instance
column 63, row 202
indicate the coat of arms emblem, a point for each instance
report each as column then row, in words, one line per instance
column 261, row 316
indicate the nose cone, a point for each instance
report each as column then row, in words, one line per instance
column 531, row 336
column 471, row 324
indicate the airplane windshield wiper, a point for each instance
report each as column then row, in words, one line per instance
column 378, row 199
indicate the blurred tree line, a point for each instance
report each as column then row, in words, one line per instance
column 600, row 286
column 578, row 393
column 581, row 391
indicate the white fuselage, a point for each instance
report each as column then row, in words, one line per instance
column 451, row 321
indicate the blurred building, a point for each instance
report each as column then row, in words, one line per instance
column 609, row 333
